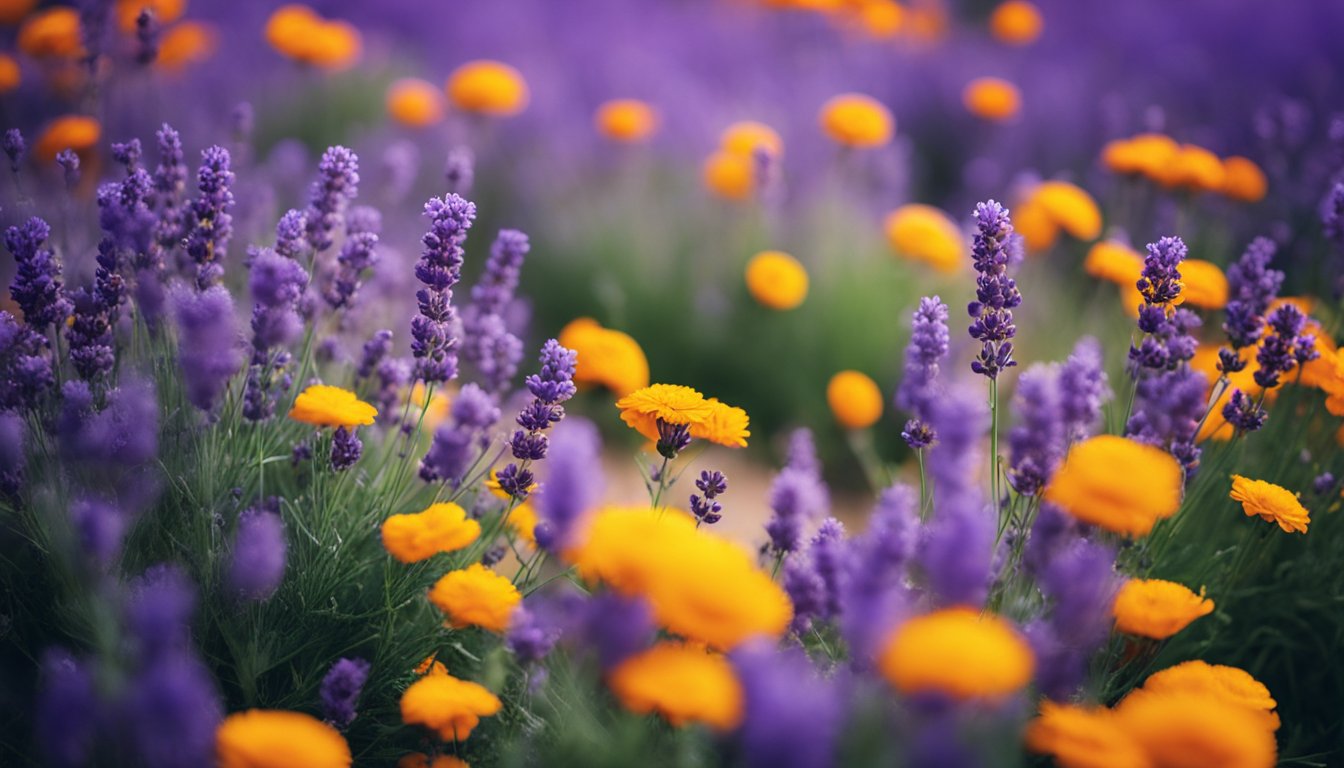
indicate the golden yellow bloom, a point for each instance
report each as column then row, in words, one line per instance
column 1156, row 608
column 476, row 597
column 958, row 652
column 1118, row 484
column 726, row 425
column 626, row 120
column 187, row 43
column 992, row 98
column 672, row 403
column 1113, row 261
column 326, row 406
column 52, row 34
column 1070, row 207
column 10, row 76
column 414, row 102
column 1243, row 180
column 1188, row 730
column 1205, row 284
column 451, row 707
column 1195, row 168
column 856, row 120
column 730, row 175
column 1273, row 503
column 489, row 88
column 440, row 528
column 299, row 33
column 607, row 357
column 682, row 683
column 523, row 521
column 269, row 738
column 13, row 11
column 855, row 400
column 76, row 132
column 421, row 760
column 881, row 19
column 165, row 12
column 924, row 233
column 747, row 136
column 1147, row 154
column 1081, row 737
column 1016, row 22
column 1229, row 684
column 776, row 280
column 1037, row 228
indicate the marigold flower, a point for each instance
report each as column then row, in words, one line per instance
column 1038, row 229
column 626, row 120
column 992, row 98
column 76, row 132
column 747, row 136
column 1016, row 22
column 414, row 102
column 489, row 88
column 671, row 403
column 958, row 652
column 1114, row 261
column 881, row 19
column 855, row 400
column 187, row 43
column 430, row 666
column 682, row 683
column 1147, row 154
column 451, row 707
column 476, row 597
column 13, row 11
column 1190, row 730
column 261, row 738
column 730, row 175
column 1205, row 285
column 726, row 425
column 165, row 12
column 299, row 33
column 1117, row 484
column 1156, row 608
column 1195, row 168
column 1081, row 737
column 856, row 120
column 1243, row 180
column 326, row 406
column 607, row 357
column 1273, row 503
column 421, row 760
column 924, row 233
column 52, row 34
column 10, row 76
column 776, row 280
column 523, row 521
column 1229, row 684
column 440, row 528
column 1070, row 207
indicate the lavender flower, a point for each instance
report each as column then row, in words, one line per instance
column 459, row 439
column 458, row 171
column 357, row 256
column 550, row 387
column 923, row 355
column 1243, row 412
column 439, row 268
column 146, row 37
column 170, row 183
column 996, row 294
column 124, row 434
column 615, row 627
column 258, row 563
column 276, row 284
column 1323, row 483
column 1167, row 410
column 956, row 552
column 792, row 716
column 340, row 690
column 917, row 434
column 36, row 286
column 172, row 711
column 796, row 497
column 532, row 632
column 872, row 582
column 210, row 217
column 815, row 580
column 1332, row 217
column 337, row 184
column 487, row 343
column 1160, row 280
column 1083, row 389
column 374, row 351
column 207, row 343
column 291, row 239
column 99, row 527
column 1286, row 346
column 158, row 612
column 68, row 159
column 15, row 148
column 712, row 485
column 128, row 154
column 13, row 460
column 89, row 335
column 802, row 452
column 66, row 713
column 346, row 449
column 574, row 483
column 1037, row 442
column 1252, row 285
column 25, row 364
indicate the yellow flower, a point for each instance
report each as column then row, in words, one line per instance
column 1118, row 484
column 421, row 760
column 187, row 43
column 1273, row 503
column 924, row 233
column 671, row 403
column 881, row 19
column 747, row 136
column 1069, row 207
column 165, row 12
column 776, row 280
column 1147, row 154
column 262, row 738
column 958, row 652
column 52, row 34
column 607, row 357
column 75, row 132
column 626, row 120
column 523, row 521
column 1243, row 180
column 729, row 175
column 1156, row 608
column 1188, row 730
column 1205, row 285
column 1016, row 22
column 451, row 707
column 726, row 425
column 855, row 400
column 682, row 683
column 1205, row 361
column 1229, row 684
column 326, row 406
column 1038, row 229
column 992, row 98
column 13, row 11
column 10, row 76
column 1195, row 168
column 299, row 33
column 489, row 88
column 476, row 597
column 856, row 120
column 1115, row 262
column 440, row 528
column 1080, row 737
column 414, row 102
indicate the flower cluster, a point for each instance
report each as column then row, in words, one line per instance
column 996, row 293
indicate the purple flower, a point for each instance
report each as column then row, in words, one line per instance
column 487, row 343
column 340, row 690
column 1332, row 217
column 956, row 552
column 1285, row 346
column 124, row 434
column 816, row 577
column 291, row 239
column 872, row 584
column 1160, row 281
column 358, row 255
column 460, row 438
column 550, row 387
column 210, row 216
column 208, row 349
column 573, row 484
column 66, row 712
column 1243, row 412
column 346, row 449
column 923, row 355
column 36, row 286
column 1323, row 484
column 792, row 716
column 1167, row 410
column 15, row 148
column 615, row 627
column 797, row 495
column 802, row 452
column 158, row 612
column 374, row 351
column 170, row 183
column 337, row 184
column 1252, row 285
column 146, row 37
column 13, row 460
column 89, row 335
column 458, row 170
column 1037, row 442
column 258, row 563
column 439, row 268
column 128, row 154
column 996, row 294
column 99, row 527
column 917, row 434
column 68, row 159
column 171, row 712
column 25, row 364
column 1083, row 389
column 712, row 485
column 533, row 632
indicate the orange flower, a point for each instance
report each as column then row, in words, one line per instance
column 671, row 403
column 165, row 12
column 52, row 34
column 75, row 132
column 776, row 280
column 682, row 683
column 187, row 43
column 992, row 98
column 440, row 528
column 1273, row 503
column 1243, row 180
column 476, row 597
column 10, row 76
column 730, row 175
column 1157, row 609
column 1147, row 154
column 881, row 19
column 260, row 738
column 1016, row 22
column 1205, row 284
column 326, row 406
column 1184, row 729
column 451, row 707
column 1069, row 207
column 1229, row 684
column 958, row 652
column 1193, row 167
column 488, row 88
column 13, row 11
column 626, row 120
column 858, row 121
column 1038, row 230
column 725, row 425
column 299, row 33
column 1080, row 737
column 855, row 400
column 414, row 102
column 746, row 137
column 924, row 233
column 1114, row 261
column 1118, row 484
column 607, row 357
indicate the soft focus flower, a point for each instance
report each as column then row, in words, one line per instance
column 1147, row 154
column 421, row 760
column 574, row 483
column 957, row 652
column 858, row 121
column 992, row 98
column 299, row 33
column 1273, row 503
column 1016, row 22
column 1156, row 608
column 186, row 43
column 76, row 132
column 451, row 707
column 165, row 11
column 776, row 280
column 340, row 690
column 929, row 339
column 258, row 562
column 1080, row 737
column 442, row 527
column 924, row 233
column 53, row 33
column 683, row 683
column 260, row 738
column 414, row 102
column 10, row 76
column 208, row 349
column 881, row 19
column 1228, row 684
column 476, row 596
column 1070, row 207
column 1194, row 168
column 489, row 88
column 1243, row 180
column 1188, row 730
column 607, row 357
column 855, row 400
column 1118, row 484
column 1205, row 285
column 13, row 11
column 730, row 175
column 1115, row 262
column 323, row 405
column 667, row 403
column 626, row 120
column 747, row 137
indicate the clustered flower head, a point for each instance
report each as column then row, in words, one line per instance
column 550, row 388
column 996, row 293
column 439, row 268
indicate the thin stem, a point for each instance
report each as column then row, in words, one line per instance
column 994, row 444
column 662, row 482
column 923, row 486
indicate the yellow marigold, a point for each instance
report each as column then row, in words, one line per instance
column 747, row 136
column 1243, row 180
column 489, row 88
column 1156, row 608
column 958, row 652
column 1147, row 154
column 855, row 400
column 1113, row 261
column 165, row 12
column 421, row 760
column 992, row 98
column 924, row 233
column 1038, row 229
column 76, row 132
column 13, row 11
column 881, row 19
column 299, row 33
column 523, row 521
column 414, row 102
column 10, row 76
column 269, row 738
column 1273, row 503
column 682, row 683
column 451, row 707
column 476, row 597
column 1195, row 168
column 730, row 175
column 1205, row 284
column 607, row 357
column 1016, row 22
column 1081, row 737
column 725, row 425
column 187, row 43
column 776, row 280
column 323, row 405
column 440, row 528
column 1070, row 207
column 626, row 120
column 672, row 403
column 1188, row 730
column 1118, row 484
column 52, row 34
column 1229, row 684
column 856, row 120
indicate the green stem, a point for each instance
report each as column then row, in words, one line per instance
column 994, row 446
column 662, row 483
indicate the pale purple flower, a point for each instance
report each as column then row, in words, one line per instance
column 208, row 343
column 872, row 586
column 1083, row 389
column 458, row 170
column 158, row 611
column 89, row 335
column 956, row 552
column 171, row 712
column 792, row 716
column 929, row 339
column 257, row 564
column 573, row 484
column 460, row 438
column 336, row 186
column 99, row 528
column 340, row 690
column 1036, row 444
column 15, row 148
column 66, row 713
column 487, row 343
column 25, row 364
column 36, row 286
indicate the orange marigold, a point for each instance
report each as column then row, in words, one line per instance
column 1243, row 180
column 683, row 683
column 165, row 11
column 1082, row 737
column 1188, row 730
column 262, row 738
column 1205, row 284
column 1113, row 261
column 992, row 98
column 1016, row 22
column 746, row 137
column 855, row 400
column 10, row 76
column 76, row 132
column 1070, row 207
column 448, row 706
column 414, row 102
column 186, row 43
column 476, row 597
column 856, row 120
column 488, row 88
column 626, row 120
column 1157, row 609
column 958, row 652
column 776, row 280
column 326, row 406
column 1118, row 484
column 725, row 425
column 1273, row 503
column 924, row 233
column 1230, row 684
column 440, row 528
column 52, row 34
column 671, row 403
